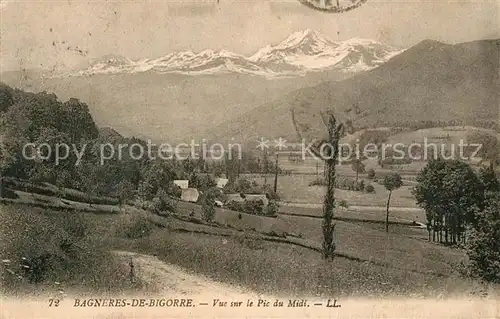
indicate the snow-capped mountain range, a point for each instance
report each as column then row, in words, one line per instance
column 302, row 52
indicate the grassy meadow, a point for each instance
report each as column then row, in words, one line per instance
column 369, row 262
column 296, row 189
column 55, row 252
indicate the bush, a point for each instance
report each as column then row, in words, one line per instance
column 208, row 205
column 168, row 203
column 272, row 208
column 343, row 203
column 155, row 205
column 270, row 193
column 161, row 204
column 244, row 186
column 483, row 247
column 369, row 188
column 145, row 191
column 318, row 182
column 43, row 247
column 350, row 184
column 174, row 191
column 234, row 205
column 125, row 191
column 208, row 210
column 254, row 207
column 360, row 186
column 371, row 173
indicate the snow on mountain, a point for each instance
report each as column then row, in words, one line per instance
column 107, row 64
column 308, row 50
column 302, row 52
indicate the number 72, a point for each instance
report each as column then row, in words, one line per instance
column 53, row 302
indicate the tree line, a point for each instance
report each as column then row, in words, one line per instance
column 42, row 118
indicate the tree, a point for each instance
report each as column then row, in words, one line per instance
column 208, row 206
column 6, row 97
column 392, row 182
column 328, row 150
column 489, row 179
column 276, row 175
column 483, row 246
column 125, row 190
column 371, row 173
column 358, row 167
column 450, row 192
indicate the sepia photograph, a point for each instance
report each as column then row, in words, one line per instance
column 250, row 159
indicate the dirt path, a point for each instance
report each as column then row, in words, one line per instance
column 173, row 280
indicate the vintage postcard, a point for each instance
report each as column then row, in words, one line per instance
column 250, row 159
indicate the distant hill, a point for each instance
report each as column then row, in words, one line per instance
column 431, row 81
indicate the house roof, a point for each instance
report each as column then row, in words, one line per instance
column 190, row 194
column 182, row 183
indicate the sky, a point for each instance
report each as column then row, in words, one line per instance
column 55, row 34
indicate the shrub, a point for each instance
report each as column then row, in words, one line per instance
column 174, row 191
column 371, row 173
column 161, row 204
column 44, row 247
column 253, row 207
column 155, row 205
column 483, row 248
column 168, row 203
column 318, row 182
column 272, row 208
column 234, row 205
column 208, row 211
column 125, row 191
column 369, row 188
column 208, row 206
column 269, row 191
column 145, row 191
column 360, row 186
column 351, row 184
column 343, row 203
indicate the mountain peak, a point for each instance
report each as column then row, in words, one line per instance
column 304, row 37
column 301, row 52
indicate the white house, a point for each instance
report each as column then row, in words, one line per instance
column 190, row 195
column 182, row 183
column 221, row 182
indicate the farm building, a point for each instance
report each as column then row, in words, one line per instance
column 221, row 182
column 190, row 195
column 183, row 184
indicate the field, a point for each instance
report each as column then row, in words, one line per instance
column 296, row 189
column 46, row 252
column 369, row 261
